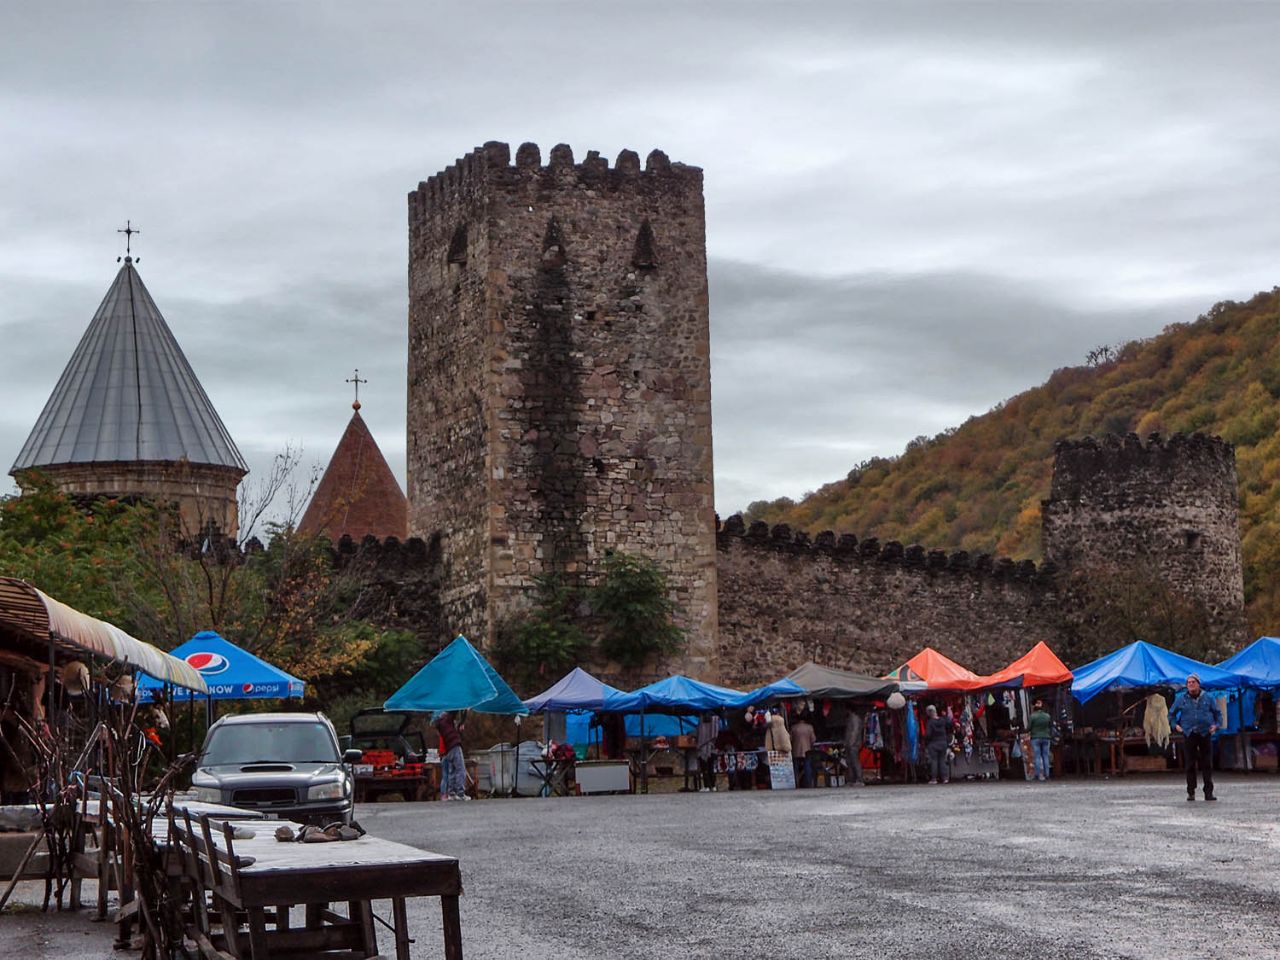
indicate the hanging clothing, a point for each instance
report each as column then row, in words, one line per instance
column 708, row 730
column 874, row 737
column 912, row 732
column 776, row 737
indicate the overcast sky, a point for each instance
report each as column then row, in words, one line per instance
column 913, row 211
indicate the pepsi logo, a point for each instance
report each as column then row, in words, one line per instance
column 208, row 663
column 247, row 688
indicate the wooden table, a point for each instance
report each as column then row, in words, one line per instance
column 426, row 787
column 316, row 875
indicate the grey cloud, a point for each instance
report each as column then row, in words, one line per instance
column 914, row 210
column 813, row 374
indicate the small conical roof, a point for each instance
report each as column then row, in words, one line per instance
column 358, row 494
column 128, row 394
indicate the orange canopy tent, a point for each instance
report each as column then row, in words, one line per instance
column 1038, row 667
column 936, row 672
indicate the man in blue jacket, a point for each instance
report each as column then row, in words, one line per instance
column 1194, row 714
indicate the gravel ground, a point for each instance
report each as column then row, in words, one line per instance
column 1098, row 869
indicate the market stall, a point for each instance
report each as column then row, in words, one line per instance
column 933, row 679
column 52, row 655
column 836, row 704
column 1133, row 733
column 1258, row 705
column 682, row 696
column 578, row 692
column 1037, row 674
column 459, row 678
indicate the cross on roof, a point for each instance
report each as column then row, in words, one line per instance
column 357, row 381
column 128, row 231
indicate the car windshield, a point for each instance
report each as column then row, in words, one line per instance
column 268, row 742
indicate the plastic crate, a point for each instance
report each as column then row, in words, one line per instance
column 379, row 758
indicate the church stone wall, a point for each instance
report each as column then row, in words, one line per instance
column 867, row 607
column 201, row 493
column 559, row 380
column 1165, row 508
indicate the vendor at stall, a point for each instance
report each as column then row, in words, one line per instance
column 937, row 742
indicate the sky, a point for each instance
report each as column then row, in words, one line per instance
column 914, row 211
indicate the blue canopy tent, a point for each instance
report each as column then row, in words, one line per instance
column 457, row 678
column 783, row 689
column 576, row 695
column 1143, row 664
column 681, row 694
column 580, row 691
column 230, row 672
column 678, row 695
column 1258, row 664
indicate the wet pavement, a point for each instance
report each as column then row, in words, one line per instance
column 1094, row 869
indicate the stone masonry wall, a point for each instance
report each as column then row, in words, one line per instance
column 1168, row 507
column 202, row 493
column 560, row 397
column 449, row 389
column 863, row 606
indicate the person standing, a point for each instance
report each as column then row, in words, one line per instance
column 1040, row 726
column 853, row 746
column 708, row 731
column 453, row 768
column 803, row 738
column 937, row 741
column 1194, row 714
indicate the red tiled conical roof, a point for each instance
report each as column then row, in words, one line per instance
column 358, row 494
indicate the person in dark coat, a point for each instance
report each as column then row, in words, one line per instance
column 937, row 743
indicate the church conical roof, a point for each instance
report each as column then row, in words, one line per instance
column 128, row 394
column 358, row 494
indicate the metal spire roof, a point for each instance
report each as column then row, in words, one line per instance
column 128, row 394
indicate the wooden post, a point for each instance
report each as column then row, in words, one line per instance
column 452, row 928
column 401, row 924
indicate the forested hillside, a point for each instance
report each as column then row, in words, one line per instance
column 979, row 486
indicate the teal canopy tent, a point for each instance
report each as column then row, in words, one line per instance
column 457, row 678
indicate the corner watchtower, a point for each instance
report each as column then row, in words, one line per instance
column 559, row 377
column 1167, row 506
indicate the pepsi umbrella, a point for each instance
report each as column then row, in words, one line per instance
column 230, row 673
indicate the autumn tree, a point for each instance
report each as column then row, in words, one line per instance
column 1116, row 605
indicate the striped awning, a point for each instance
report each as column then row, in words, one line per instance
column 28, row 610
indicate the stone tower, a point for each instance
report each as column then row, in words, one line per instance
column 128, row 418
column 559, row 378
column 1169, row 507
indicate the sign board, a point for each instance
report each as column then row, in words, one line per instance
column 782, row 774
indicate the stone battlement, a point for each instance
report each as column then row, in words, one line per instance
column 1113, row 465
column 492, row 166
column 829, row 544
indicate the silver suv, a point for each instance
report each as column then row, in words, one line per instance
column 286, row 765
